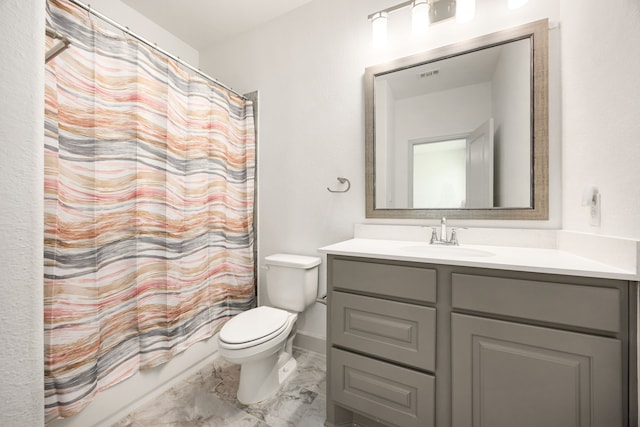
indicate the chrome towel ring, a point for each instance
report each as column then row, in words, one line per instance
column 342, row 180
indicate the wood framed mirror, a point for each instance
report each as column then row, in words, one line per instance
column 461, row 131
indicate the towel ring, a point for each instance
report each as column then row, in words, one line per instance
column 342, row 180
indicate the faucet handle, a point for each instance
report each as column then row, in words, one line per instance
column 434, row 235
column 454, row 237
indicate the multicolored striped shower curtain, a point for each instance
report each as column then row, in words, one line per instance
column 149, row 196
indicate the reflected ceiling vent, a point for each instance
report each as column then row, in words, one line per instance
column 429, row 73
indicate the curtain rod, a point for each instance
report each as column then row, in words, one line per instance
column 61, row 44
column 153, row 46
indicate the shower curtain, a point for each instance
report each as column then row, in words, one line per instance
column 149, row 197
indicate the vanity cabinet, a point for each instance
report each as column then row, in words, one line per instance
column 418, row 344
column 507, row 373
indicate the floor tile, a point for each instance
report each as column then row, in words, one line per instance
column 208, row 399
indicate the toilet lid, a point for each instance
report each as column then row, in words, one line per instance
column 254, row 324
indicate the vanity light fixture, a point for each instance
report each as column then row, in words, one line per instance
column 420, row 17
column 379, row 29
column 423, row 13
column 426, row 12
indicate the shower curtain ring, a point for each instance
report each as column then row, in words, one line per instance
column 89, row 15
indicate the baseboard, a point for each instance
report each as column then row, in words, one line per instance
column 310, row 342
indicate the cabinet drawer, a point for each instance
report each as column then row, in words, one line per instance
column 392, row 330
column 395, row 395
column 590, row 307
column 397, row 281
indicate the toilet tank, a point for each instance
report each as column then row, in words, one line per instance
column 292, row 281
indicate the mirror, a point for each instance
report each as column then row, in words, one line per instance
column 461, row 131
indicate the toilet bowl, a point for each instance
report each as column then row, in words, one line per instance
column 256, row 340
column 260, row 340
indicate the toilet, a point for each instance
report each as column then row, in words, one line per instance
column 260, row 340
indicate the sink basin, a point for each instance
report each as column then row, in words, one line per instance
column 444, row 251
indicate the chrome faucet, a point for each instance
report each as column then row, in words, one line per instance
column 442, row 240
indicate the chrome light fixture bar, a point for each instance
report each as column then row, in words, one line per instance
column 423, row 13
column 426, row 12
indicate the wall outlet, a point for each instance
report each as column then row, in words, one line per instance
column 595, row 210
column 591, row 199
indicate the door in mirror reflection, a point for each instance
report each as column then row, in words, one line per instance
column 454, row 172
column 479, row 171
column 438, row 173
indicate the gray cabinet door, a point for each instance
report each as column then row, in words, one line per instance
column 508, row 374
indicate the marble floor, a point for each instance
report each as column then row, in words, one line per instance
column 208, row 399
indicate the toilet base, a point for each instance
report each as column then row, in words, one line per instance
column 262, row 378
column 287, row 365
column 258, row 379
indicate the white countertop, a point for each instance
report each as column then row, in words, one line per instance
column 537, row 260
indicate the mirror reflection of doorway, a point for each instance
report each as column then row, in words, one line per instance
column 438, row 173
column 480, row 167
column 452, row 172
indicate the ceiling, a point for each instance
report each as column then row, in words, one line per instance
column 202, row 23
column 445, row 74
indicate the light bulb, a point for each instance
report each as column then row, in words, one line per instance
column 514, row 4
column 420, row 17
column 465, row 10
column 379, row 29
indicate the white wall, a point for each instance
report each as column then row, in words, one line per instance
column 139, row 24
column 22, row 221
column 601, row 113
column 21, row 207
column 308, row 66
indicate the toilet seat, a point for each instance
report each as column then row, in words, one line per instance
column 254, row 327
